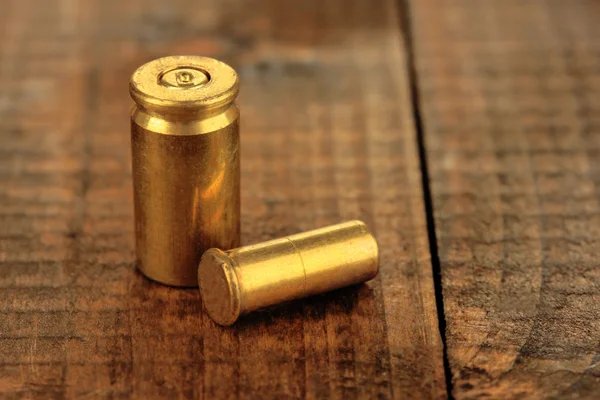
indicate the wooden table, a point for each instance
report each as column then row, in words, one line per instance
column 466, row 133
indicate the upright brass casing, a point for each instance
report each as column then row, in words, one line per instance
column 242, row 280
column 186, row 166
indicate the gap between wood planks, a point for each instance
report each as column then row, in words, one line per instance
column 407, row 38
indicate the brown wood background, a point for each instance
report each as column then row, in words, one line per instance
column 510, row 103
column 346, row 106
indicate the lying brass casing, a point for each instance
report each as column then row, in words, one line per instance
column 238, row 281
column 186, row 168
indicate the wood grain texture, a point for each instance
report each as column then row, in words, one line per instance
column 510, row 108
column 327, row 136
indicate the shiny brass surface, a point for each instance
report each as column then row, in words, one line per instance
column 186, row 168
column 242, row 280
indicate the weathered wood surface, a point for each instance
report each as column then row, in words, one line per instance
column 327, row 136
column 509, row 97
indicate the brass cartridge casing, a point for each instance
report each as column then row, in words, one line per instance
column 235, row 282
column 186, row 167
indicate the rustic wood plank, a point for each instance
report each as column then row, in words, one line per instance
column 510, row 108
column 327, row 136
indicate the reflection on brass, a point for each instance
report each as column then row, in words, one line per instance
column 238, row 281
column 186, row 168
